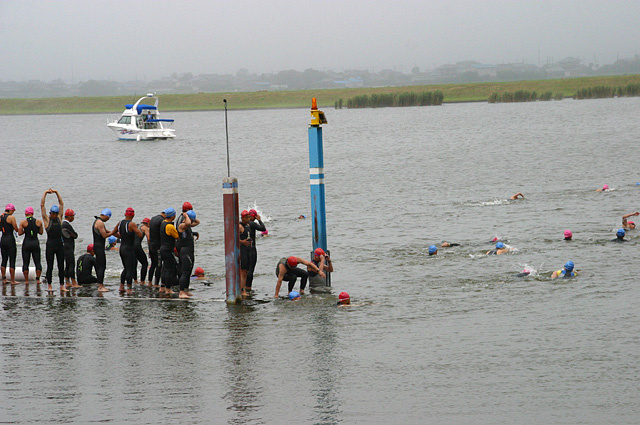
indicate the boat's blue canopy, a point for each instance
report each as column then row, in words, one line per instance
column 163, row 120
column 140, row 107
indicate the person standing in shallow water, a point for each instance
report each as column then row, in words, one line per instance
column 317, row 283
column 187, row 251
column 8, row 245
column 253, row 253
column 141, row 257
column 168, row 236
column 55, row 247
column 127, row 230
column 69, row 237
column 31, row 228
column 100, row 234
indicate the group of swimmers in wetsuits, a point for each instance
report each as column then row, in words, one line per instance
column 166, row 241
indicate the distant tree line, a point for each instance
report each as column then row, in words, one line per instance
column 427, row 98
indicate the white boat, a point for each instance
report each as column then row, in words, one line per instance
column 140, row 121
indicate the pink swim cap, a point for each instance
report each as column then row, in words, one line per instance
column 265, row 233
column 567, row 233
column 28, row 211
column 10, row 207
column 495, row 239
column 605, row 187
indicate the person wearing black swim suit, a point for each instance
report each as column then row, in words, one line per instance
column 85, row 263
column 8, row 247
column 141, row 257
column 69, row 237
column 100, row 234
column 153, row 238
column 168, row 236
column 253, row 253
column 127, row 230
column 187, row 251
column 54, row 248
column 31, row 228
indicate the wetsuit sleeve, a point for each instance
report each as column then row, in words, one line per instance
column 258, row 226
column 170, row 229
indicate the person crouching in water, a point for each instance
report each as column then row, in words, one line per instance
column 566, row 272
column 286, row 270
column 85, row 263
column 321, row 260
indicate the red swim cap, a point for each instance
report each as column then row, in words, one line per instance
column 343, row 296
column 187, row 206
column 199, row 270
column 146, row 220
column 90, row 247
column 318, row 252
column 69, row 213
column 292, row 261
column 129, row 212
column 253, row 213
column 244, row 213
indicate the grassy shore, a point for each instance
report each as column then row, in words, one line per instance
column 301, row 98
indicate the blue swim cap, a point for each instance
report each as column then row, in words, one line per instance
column 112, row 239
column 620, row 233
column 169, row 212
column 432, row 249
column 293, row 294
column 569, row 266
column 499, row 245
column 191, row 214
column 55, row 209
column 106, row 212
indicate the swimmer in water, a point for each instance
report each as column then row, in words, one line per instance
column 568, row 235
column 302, row 217
column 448, row 244
column 265, row 234
column 31, row 228
column 628, row 224
column 524, row 273
column 344, row 299
column 566, row 272
column 286, row 270
column 317, row 284
column 113, row 242
column 514, row 197
column 294, row 296
column 198, row 274
column 501, row 248
column 620, row 236
column 604, row 188
column 8, row 246
column 433, row 250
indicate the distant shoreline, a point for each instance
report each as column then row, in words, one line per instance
column 453, row 93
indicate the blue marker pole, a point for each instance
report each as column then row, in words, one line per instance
column 316, row 182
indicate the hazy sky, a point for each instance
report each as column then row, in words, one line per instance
column 119, row 40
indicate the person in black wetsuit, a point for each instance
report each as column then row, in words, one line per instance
column 186, row 206
column 153, row 240
column 84, row 265
column 54, row 247
column 8, row 247
column 100, row 234
column 286, row 270
column 69, row 237
column 187, row 251
column 31, row 228
column 168, row 236
column 244, row 235
column 620, row 236
column 127, row 230
column 253, row 253
column 317, row 283
column 141, row 257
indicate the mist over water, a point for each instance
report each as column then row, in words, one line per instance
column 455, row 338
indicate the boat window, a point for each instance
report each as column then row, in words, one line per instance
column 125, row 120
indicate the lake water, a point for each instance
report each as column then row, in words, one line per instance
column 452, row 339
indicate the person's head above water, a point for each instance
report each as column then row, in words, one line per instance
column 620, row 233
column 433, row 250
column 499, row 245
column 568, row 266
column 112, row 239
column 605, row 187
column 567, row 234
column 344, row 298
column 199, row 271
column 631, row 224
column 294, row 295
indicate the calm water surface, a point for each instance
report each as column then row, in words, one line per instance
column 454, row 339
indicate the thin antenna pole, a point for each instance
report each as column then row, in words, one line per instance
column 226, row 129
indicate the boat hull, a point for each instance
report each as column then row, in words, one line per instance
column 124, row 133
